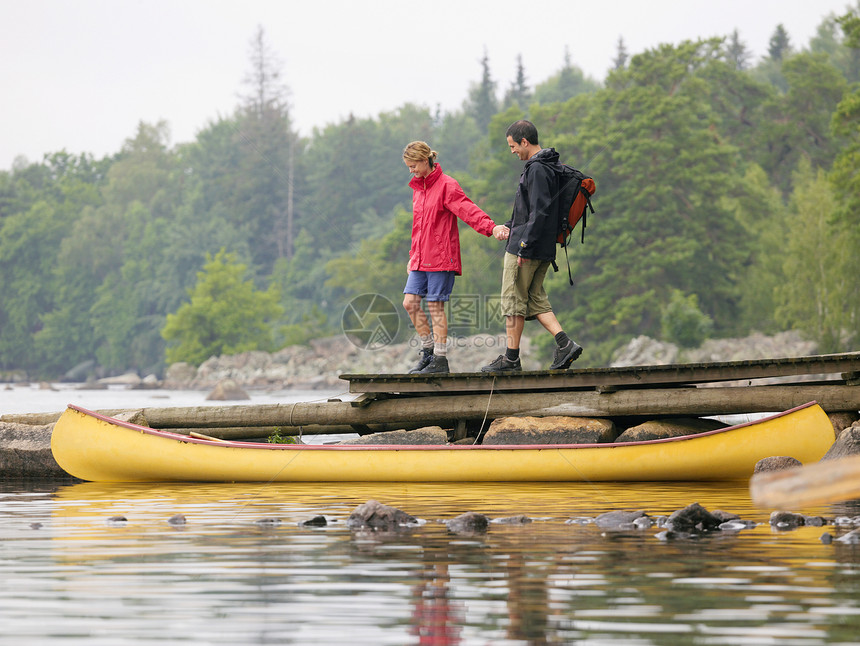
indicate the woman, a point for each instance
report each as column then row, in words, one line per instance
column 434, row 257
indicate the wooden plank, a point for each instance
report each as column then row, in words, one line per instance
column 544, row 380
column 255, row 432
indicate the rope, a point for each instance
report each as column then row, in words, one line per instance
column 486, row 412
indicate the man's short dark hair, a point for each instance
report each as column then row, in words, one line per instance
column 523, row 129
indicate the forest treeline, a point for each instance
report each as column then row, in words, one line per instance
column 728, row 202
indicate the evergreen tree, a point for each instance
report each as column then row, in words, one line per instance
column 482, row 103
column 621, row 55
column 797, row 123
column 829, row 39
column 267, row 143
column 737, row 52
column 779, row 46
column 518, row 94
column 567, row 83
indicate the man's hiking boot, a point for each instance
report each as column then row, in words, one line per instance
column 563, row 357
column 437, row 365
column 425, row 356
column 503, row 364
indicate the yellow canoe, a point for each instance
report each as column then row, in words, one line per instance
column 102, row 449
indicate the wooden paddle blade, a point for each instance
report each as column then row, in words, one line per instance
column 814, row 484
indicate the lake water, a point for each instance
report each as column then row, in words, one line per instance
column 241, row 570
column 33, row 398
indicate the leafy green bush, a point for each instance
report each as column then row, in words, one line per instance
column 683, row 323
column 277, row 438
column 226, row 314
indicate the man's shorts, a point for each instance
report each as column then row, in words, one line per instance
column 432, row 285
column 522, row 288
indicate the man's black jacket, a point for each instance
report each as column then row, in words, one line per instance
column 534, row 222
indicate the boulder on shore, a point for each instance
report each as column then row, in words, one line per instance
column 842, row 421
column 555, row 429
column 424, row 435
column 847, row 444
column 659, row 429
column 25, row 452
column 133, row 417
column 227, row 390
column 129, row 379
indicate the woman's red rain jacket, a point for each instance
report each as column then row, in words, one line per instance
column 437, row 202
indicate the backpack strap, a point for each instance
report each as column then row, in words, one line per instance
column 569, row 275
column 585, row 213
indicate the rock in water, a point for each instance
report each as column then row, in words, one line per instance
column 776, row 463
column 378, row 517
column 227, row 390
column 469, row 523
column 619, row 520
column 692, row 519
column 786, row 520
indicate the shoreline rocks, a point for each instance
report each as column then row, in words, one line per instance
column 25, row 452
column 550, row 430
column 848, row 443
column 644, row 350
column 319, row 363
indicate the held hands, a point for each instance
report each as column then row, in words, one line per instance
column 501, row 232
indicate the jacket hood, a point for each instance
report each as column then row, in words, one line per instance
column 544, row 156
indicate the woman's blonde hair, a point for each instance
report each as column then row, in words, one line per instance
column 419, row 151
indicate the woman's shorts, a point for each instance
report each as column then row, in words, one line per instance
column 432, row 285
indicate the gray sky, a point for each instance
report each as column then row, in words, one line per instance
column 80, row 74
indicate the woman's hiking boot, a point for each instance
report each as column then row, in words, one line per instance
column 424, row 359
column 437, row 365
column 564, row 356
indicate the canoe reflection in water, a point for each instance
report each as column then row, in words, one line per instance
column 225, row 577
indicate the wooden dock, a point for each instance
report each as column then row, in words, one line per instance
column 843, row 367
column 460, row 400
column 701, row 389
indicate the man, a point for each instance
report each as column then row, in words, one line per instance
column 530, row 251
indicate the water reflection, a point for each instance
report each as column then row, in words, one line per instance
column 242, row 570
